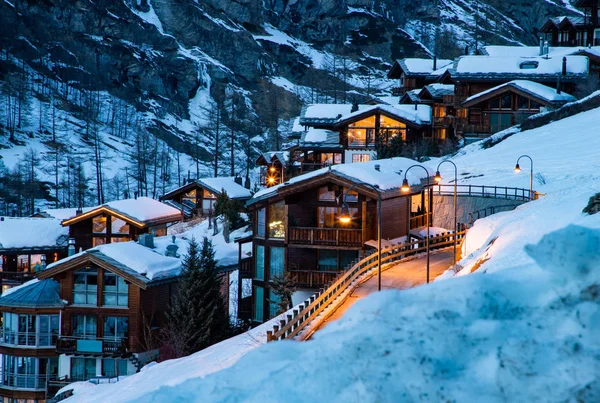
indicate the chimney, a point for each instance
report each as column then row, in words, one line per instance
column 541, row 46
column 377, row 167
column 434, row 62
column 146, row 240
column 79, row 211
column 43, row 262
column 135, row 195
column 546, row 49
column 354, row 106
column 247, row 183
column 71, row 248
column 238, row 180
column 564, row 66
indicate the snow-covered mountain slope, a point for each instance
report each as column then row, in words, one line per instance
column 522, row 327
column 155, row 72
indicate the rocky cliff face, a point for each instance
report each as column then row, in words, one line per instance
column 171, row 59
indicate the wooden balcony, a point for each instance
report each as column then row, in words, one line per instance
column 246, row 268
column 312, row 278
column 325, row 237
column 93, row 346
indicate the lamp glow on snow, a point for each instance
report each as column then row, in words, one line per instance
column 405, row 187
column 437, row 178
column 345, row 214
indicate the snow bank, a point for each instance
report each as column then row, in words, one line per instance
column 526, row 334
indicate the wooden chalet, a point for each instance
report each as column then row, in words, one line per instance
column 579, row 30
column 27, row 245
column 120, row 221
column 198, row 197
column 297, row 233
column 30, row 329
column 441, row 99
column 473, row 75
column 413, row 73
column 509, row 104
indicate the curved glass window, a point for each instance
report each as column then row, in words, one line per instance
column 30, row 330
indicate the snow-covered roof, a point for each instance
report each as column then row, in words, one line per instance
column 33, row 294
column 62, row 213
column 272, row 156
column 20, row 233
column 296, row 126
column 388, row 178
column 217, row 185
column 421, row 114
column 336, row 113
column 534, row 51
column 142, row 210
column 416, row 66
column 139, row 261
column 438, row 90
column 540, row 91
column 513, row 66
column 320, row 138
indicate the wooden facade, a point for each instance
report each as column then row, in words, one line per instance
column 581, row 30
column 297, row 234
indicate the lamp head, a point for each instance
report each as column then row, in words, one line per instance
column 271, row 180
column 272, row 169
column 517, row 168
column 437, row 178
column 405, row 187
column 345, row 214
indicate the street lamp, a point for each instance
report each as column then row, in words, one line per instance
column 438, row 179
column 518, row 169
column 345, row 218
column 406, row 188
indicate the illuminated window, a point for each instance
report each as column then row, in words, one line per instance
column 99, row 225
column 277, row 220
column 327, row 217
column 361, row 157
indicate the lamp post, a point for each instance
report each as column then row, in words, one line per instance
column 518, row 169
column 345, row 218
column 406, row 188
column 438, row 179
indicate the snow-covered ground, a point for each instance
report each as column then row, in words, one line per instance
column 522, row 327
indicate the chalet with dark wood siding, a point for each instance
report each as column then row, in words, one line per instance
column 198, row 197
column 509, row 104
column 441, row 99
column 579, row 30
column 120, row 221
column 27, row 245
column 297, row 232
column 475, row 74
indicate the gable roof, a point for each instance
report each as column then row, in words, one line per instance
column 412, row 115
column 539, row 92
column 33, row 294
column 140, row 212
column 138, row 264
column 417, row 67
column 233, row 189
column 411, row 97
column 40, row 234
column 436, row 91
column 510, row 68
column 388, row 178
column 270, row 157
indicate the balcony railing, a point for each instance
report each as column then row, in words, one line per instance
column 28, row 339
column 23, row 381
column 325, row 236
column 312, row 278
column 15, row 277
column 246, row 269
column 106, row 346
column 361, row 144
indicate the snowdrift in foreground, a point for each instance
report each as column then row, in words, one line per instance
column 527, row 334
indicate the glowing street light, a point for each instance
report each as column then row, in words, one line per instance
column 518, row 169
column 406, row 188
column 345, row 217
column 438, row 179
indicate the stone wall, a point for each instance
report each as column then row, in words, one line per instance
column 443, row 208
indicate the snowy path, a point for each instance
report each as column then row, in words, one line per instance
column 400, row 277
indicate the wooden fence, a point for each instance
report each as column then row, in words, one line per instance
column 306, row 312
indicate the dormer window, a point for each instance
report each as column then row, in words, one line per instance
column 529, row 65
